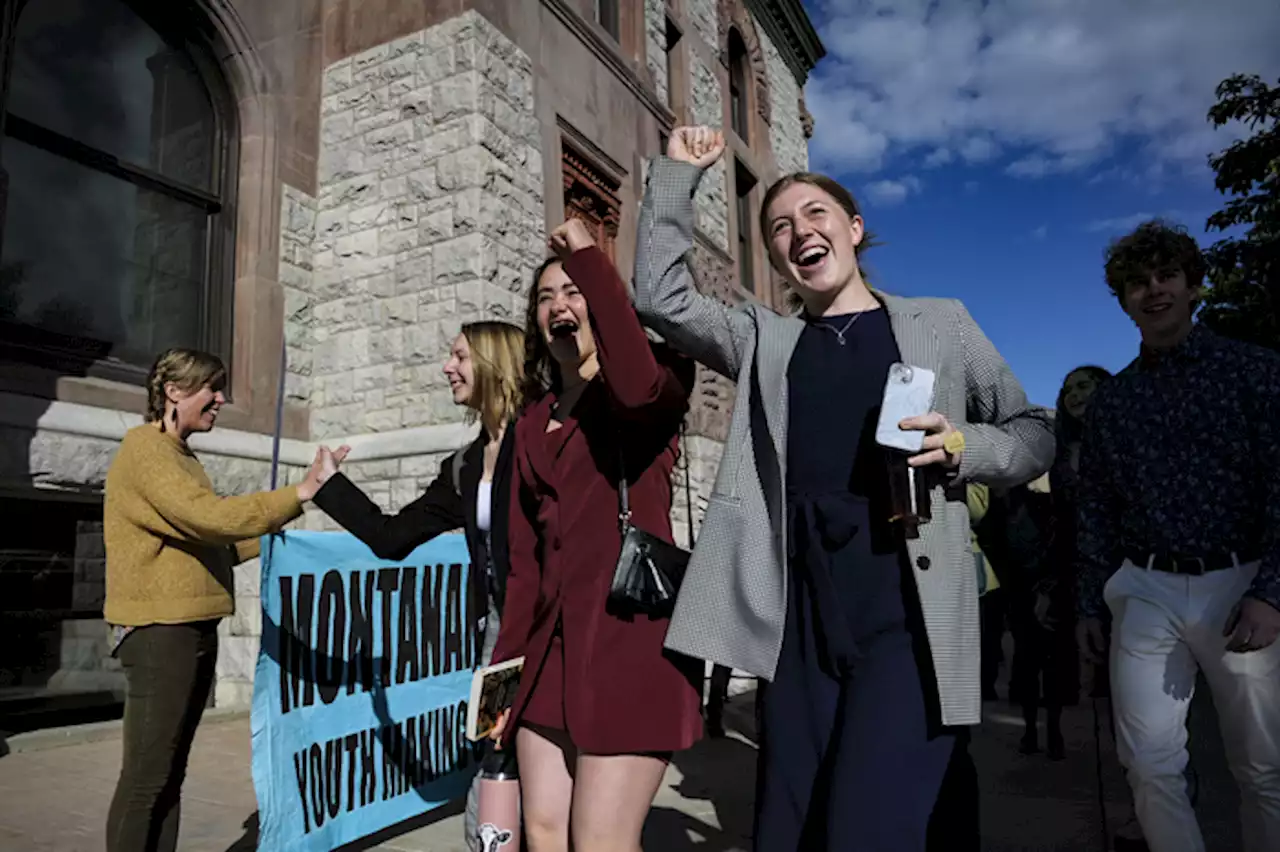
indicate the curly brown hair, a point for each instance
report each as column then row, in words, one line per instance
column 541, row 373
column 1154, row 245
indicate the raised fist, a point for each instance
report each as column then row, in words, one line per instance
column 700, row 146
column 570, row 237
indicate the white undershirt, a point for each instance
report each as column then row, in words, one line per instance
column 484, row 507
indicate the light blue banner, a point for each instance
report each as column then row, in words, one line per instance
column 360, row 695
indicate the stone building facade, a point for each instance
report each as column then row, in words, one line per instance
column 322, row 193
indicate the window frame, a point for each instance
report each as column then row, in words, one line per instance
column 744, row 185
column 26, row 346
column 673, row 35
column 610, row 12
column 739, row 86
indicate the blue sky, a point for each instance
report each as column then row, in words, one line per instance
column 997, row 146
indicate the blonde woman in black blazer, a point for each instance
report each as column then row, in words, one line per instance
column 485, row 370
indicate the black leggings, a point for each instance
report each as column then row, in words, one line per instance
column 169, row 670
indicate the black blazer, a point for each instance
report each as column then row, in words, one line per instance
column 441, row 509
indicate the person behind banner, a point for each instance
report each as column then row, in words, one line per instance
column 867, row 628
column 601, row 706
column 485, row 370
column 171, row 543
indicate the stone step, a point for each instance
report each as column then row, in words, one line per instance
column 31, row 709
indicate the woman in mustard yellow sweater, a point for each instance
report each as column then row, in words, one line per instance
column 171, row 543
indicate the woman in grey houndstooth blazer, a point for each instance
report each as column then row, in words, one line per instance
column 870, row 638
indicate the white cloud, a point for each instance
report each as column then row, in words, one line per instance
column 938, row 157
column 887, row 192
column 1052, row 85
column 978, row 149
column 1040, row 233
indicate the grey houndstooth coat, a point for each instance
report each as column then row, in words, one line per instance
column 733, row 601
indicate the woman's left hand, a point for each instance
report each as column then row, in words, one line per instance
column 937, row 430
column 570, row 237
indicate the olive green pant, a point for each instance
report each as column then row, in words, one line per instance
column 169, row 671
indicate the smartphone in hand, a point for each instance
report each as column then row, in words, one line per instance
column 908, row 392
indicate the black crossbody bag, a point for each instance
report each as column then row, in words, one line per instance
column 649, row 570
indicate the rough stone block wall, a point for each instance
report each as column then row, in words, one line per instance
column 297, row 235
column 707, row 107
column 56, row 457
column 429, row 215
column 786, row 131
column 705, row 17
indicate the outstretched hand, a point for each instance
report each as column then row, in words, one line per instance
column 323, row 466
column 698, row 146
column 330, row 461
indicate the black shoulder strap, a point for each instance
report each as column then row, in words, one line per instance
column 455, row 468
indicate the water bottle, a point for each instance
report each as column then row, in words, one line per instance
column 908, row 494
column 498, row 803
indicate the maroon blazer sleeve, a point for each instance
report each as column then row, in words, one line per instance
column 638, row 382
column 523, row 580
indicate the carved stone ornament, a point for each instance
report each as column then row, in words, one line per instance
column 591, row 196
column 806, row 118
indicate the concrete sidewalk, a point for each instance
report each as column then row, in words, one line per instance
column 55, row 788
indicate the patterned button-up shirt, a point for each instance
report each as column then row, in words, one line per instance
column 1181, row 456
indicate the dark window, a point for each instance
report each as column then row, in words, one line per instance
column 673, row 38
column 607, row 16
column 115, row 240
column 744, row 183
column 738, row 111
column 51, row 570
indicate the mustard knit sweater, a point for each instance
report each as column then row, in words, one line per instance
column 171, row 541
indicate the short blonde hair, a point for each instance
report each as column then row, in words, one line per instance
column 189, row 369
column 497, row 353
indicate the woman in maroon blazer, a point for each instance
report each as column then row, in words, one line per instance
column 600, row 704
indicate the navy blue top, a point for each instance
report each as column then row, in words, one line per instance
column 845, row 553
column 1179, row 457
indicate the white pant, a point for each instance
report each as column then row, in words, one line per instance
column 1165, row 626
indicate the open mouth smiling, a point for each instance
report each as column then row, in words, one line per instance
column 563, row 329
column 810, row 256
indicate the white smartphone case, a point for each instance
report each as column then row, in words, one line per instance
column 908, row 392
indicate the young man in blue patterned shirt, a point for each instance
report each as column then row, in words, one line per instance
column 1180, row 491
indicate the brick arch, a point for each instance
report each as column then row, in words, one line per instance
column 734, row 15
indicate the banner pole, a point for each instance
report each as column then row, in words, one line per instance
column 275, row 441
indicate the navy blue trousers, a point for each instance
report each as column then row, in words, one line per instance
column 853, row 757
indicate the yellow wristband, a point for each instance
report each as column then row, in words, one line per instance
column 954, row 444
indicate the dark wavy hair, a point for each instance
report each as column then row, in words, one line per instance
column 1071, row 429
column 541, row 372
column 1153, row 246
